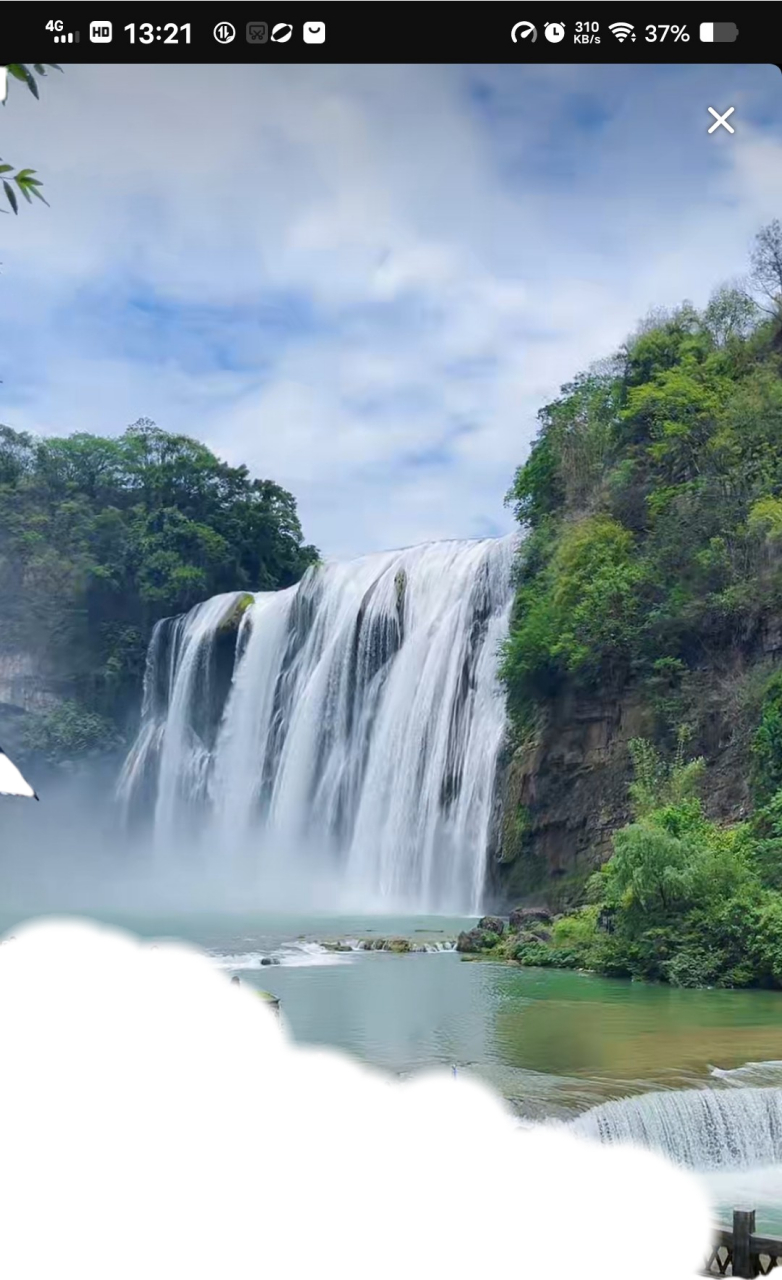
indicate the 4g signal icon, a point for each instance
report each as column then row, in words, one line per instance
column 59, row 34
column 622, row 30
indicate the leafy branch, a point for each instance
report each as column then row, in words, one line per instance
column 27, row 184
column 24, row 181
column 20, row 71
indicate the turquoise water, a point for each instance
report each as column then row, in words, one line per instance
column 570, row 1037
column 552, row 1043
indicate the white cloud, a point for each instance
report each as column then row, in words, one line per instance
column 459, row 242
column 156, row 1121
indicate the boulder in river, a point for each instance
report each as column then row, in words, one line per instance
column 474, row 941
column 399, row 946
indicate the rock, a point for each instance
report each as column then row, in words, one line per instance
column 469, row 942
column 399, row 946
column 232, row 619
column 523, row 917
column 526, row 938
column 268, row 960
column 492, row 924
column 270, row 999
column 400, row 586
column 476, row 940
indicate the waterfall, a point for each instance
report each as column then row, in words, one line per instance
column 358, row 734
column 703, row 1129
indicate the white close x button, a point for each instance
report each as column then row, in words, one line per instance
column 722, row 119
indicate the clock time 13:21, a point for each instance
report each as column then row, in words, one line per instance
column 167, row 33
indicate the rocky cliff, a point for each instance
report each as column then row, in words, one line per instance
column 564, row 792
column 649, row 586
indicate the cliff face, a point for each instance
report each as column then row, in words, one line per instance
column 563, row 796
column 649, row 588
column 26, row 690
column 565, row 792
column 26, row 684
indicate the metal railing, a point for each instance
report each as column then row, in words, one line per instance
column 741, row 1252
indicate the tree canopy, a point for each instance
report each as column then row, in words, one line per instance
column 652, row 499
column 100, row 537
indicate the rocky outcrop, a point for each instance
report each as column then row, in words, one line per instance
column 525, row 917
column 564, row 793
column 29, row 691
column 233, row 618
column 471, row 942
column 496, row 941
column 395, row 946
column 491, row 924
column 26, row 685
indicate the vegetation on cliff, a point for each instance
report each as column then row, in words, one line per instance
column 652, row 500
column 99, row 538
column 653, row 503
column 683, row 899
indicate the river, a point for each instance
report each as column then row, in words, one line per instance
column 557, row 1045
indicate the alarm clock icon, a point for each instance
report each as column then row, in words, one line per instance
column 554, row 31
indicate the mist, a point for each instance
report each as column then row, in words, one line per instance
column 72, row 853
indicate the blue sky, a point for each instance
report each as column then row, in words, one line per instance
column 364, row 281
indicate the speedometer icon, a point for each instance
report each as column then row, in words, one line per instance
column 524, row 31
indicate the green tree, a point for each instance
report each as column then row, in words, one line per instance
column 766, row 267
column 730, row 314
column 100, row 537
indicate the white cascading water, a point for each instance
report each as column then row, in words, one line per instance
column 702, row 1129
column 361, row 732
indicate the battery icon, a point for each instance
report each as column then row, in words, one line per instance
column 719, row 32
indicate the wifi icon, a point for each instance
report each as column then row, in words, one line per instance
column 622, row 30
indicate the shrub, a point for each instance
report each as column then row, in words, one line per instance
column 687, row 899
column 68, row 732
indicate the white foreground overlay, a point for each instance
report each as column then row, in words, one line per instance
column 11, row 781
column 157, row 1121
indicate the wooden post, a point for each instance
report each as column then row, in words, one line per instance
column 743, row 1230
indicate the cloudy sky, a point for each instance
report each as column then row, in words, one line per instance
column 363, row 281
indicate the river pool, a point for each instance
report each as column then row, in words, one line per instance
column 553, row 1043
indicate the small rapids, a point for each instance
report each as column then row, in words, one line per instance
column 701, row 1129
